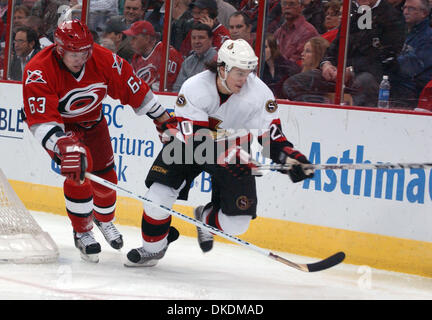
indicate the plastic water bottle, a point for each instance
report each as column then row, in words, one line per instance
column 384, row 93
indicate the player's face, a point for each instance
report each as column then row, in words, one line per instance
column 74, row 61
column 236, row 79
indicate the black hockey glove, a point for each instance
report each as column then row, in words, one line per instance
column 294, row 157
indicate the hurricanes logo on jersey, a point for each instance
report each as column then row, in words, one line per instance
column 82, row 100
column 148, row 73
column 34, row 76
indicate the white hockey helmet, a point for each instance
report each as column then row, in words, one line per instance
column 237, row 53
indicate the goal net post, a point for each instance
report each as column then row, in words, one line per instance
column 21, row 238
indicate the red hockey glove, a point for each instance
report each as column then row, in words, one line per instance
column 167, row 129
column 73, row 156
column 295, row 157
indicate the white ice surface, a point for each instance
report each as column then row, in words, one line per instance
column 228, row 272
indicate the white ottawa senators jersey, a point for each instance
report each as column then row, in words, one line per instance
column 53, row 95
column 198, row 101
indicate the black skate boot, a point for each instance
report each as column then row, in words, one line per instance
column 139, row 257
column 205, row 238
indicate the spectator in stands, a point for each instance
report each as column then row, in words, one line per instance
column 397, row 4
column 133, row 10
column 154, row 13
column 203, row 52
column 114, row 30
column 225, row 10
column 26, row 45
column 314, row 14
column 108, row 43
column 333, row 15
column 50, row 12
column 20, row 13
column 240, row 27
column 425, row 99
column 415, row 61
column 309, row 85
column 313, row 52
column 99, row 12
column 295, row 31
column 181, row 22
column 250, row 7
column 147, row 60
column 372, row 51
column 206, row 11
column 276, row 68
column 36, row 24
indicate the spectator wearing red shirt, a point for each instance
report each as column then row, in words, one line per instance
column 292, row 35
column 147, row 60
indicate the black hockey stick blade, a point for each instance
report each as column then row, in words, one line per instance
column 312, row 267
column 326, row 263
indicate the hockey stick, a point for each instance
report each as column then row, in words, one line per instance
column 344, row 166
column 310, row 267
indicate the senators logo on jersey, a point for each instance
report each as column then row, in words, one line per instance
column 81, row 101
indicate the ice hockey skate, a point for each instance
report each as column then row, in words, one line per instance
column 111, row 234
column 139, row 257
column 88, row 246
column 205, row 238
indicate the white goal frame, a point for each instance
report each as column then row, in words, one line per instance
column 21, row 238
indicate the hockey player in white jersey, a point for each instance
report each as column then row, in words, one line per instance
column 227, row 97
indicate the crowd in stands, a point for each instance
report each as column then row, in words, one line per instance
column 300, row 56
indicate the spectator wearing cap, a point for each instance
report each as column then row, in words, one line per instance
column 114, row 31
column 147, row 58
column 203, row 52
column 206, row 11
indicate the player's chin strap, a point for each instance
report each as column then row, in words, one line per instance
column 223, row 80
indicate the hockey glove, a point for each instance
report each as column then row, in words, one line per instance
column 296, row 158
column 167, row 129
column 73, row 156
column 238, row 162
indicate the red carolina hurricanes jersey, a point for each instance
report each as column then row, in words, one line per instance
column 148, row 68
column 52, row 94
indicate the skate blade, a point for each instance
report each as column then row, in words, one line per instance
column 130, row 264
column 93, row 258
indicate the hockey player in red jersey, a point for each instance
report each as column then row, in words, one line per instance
column 63, row 89
column 216, row 103
column 147, row 60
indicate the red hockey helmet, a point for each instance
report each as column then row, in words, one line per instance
column 74, row 36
